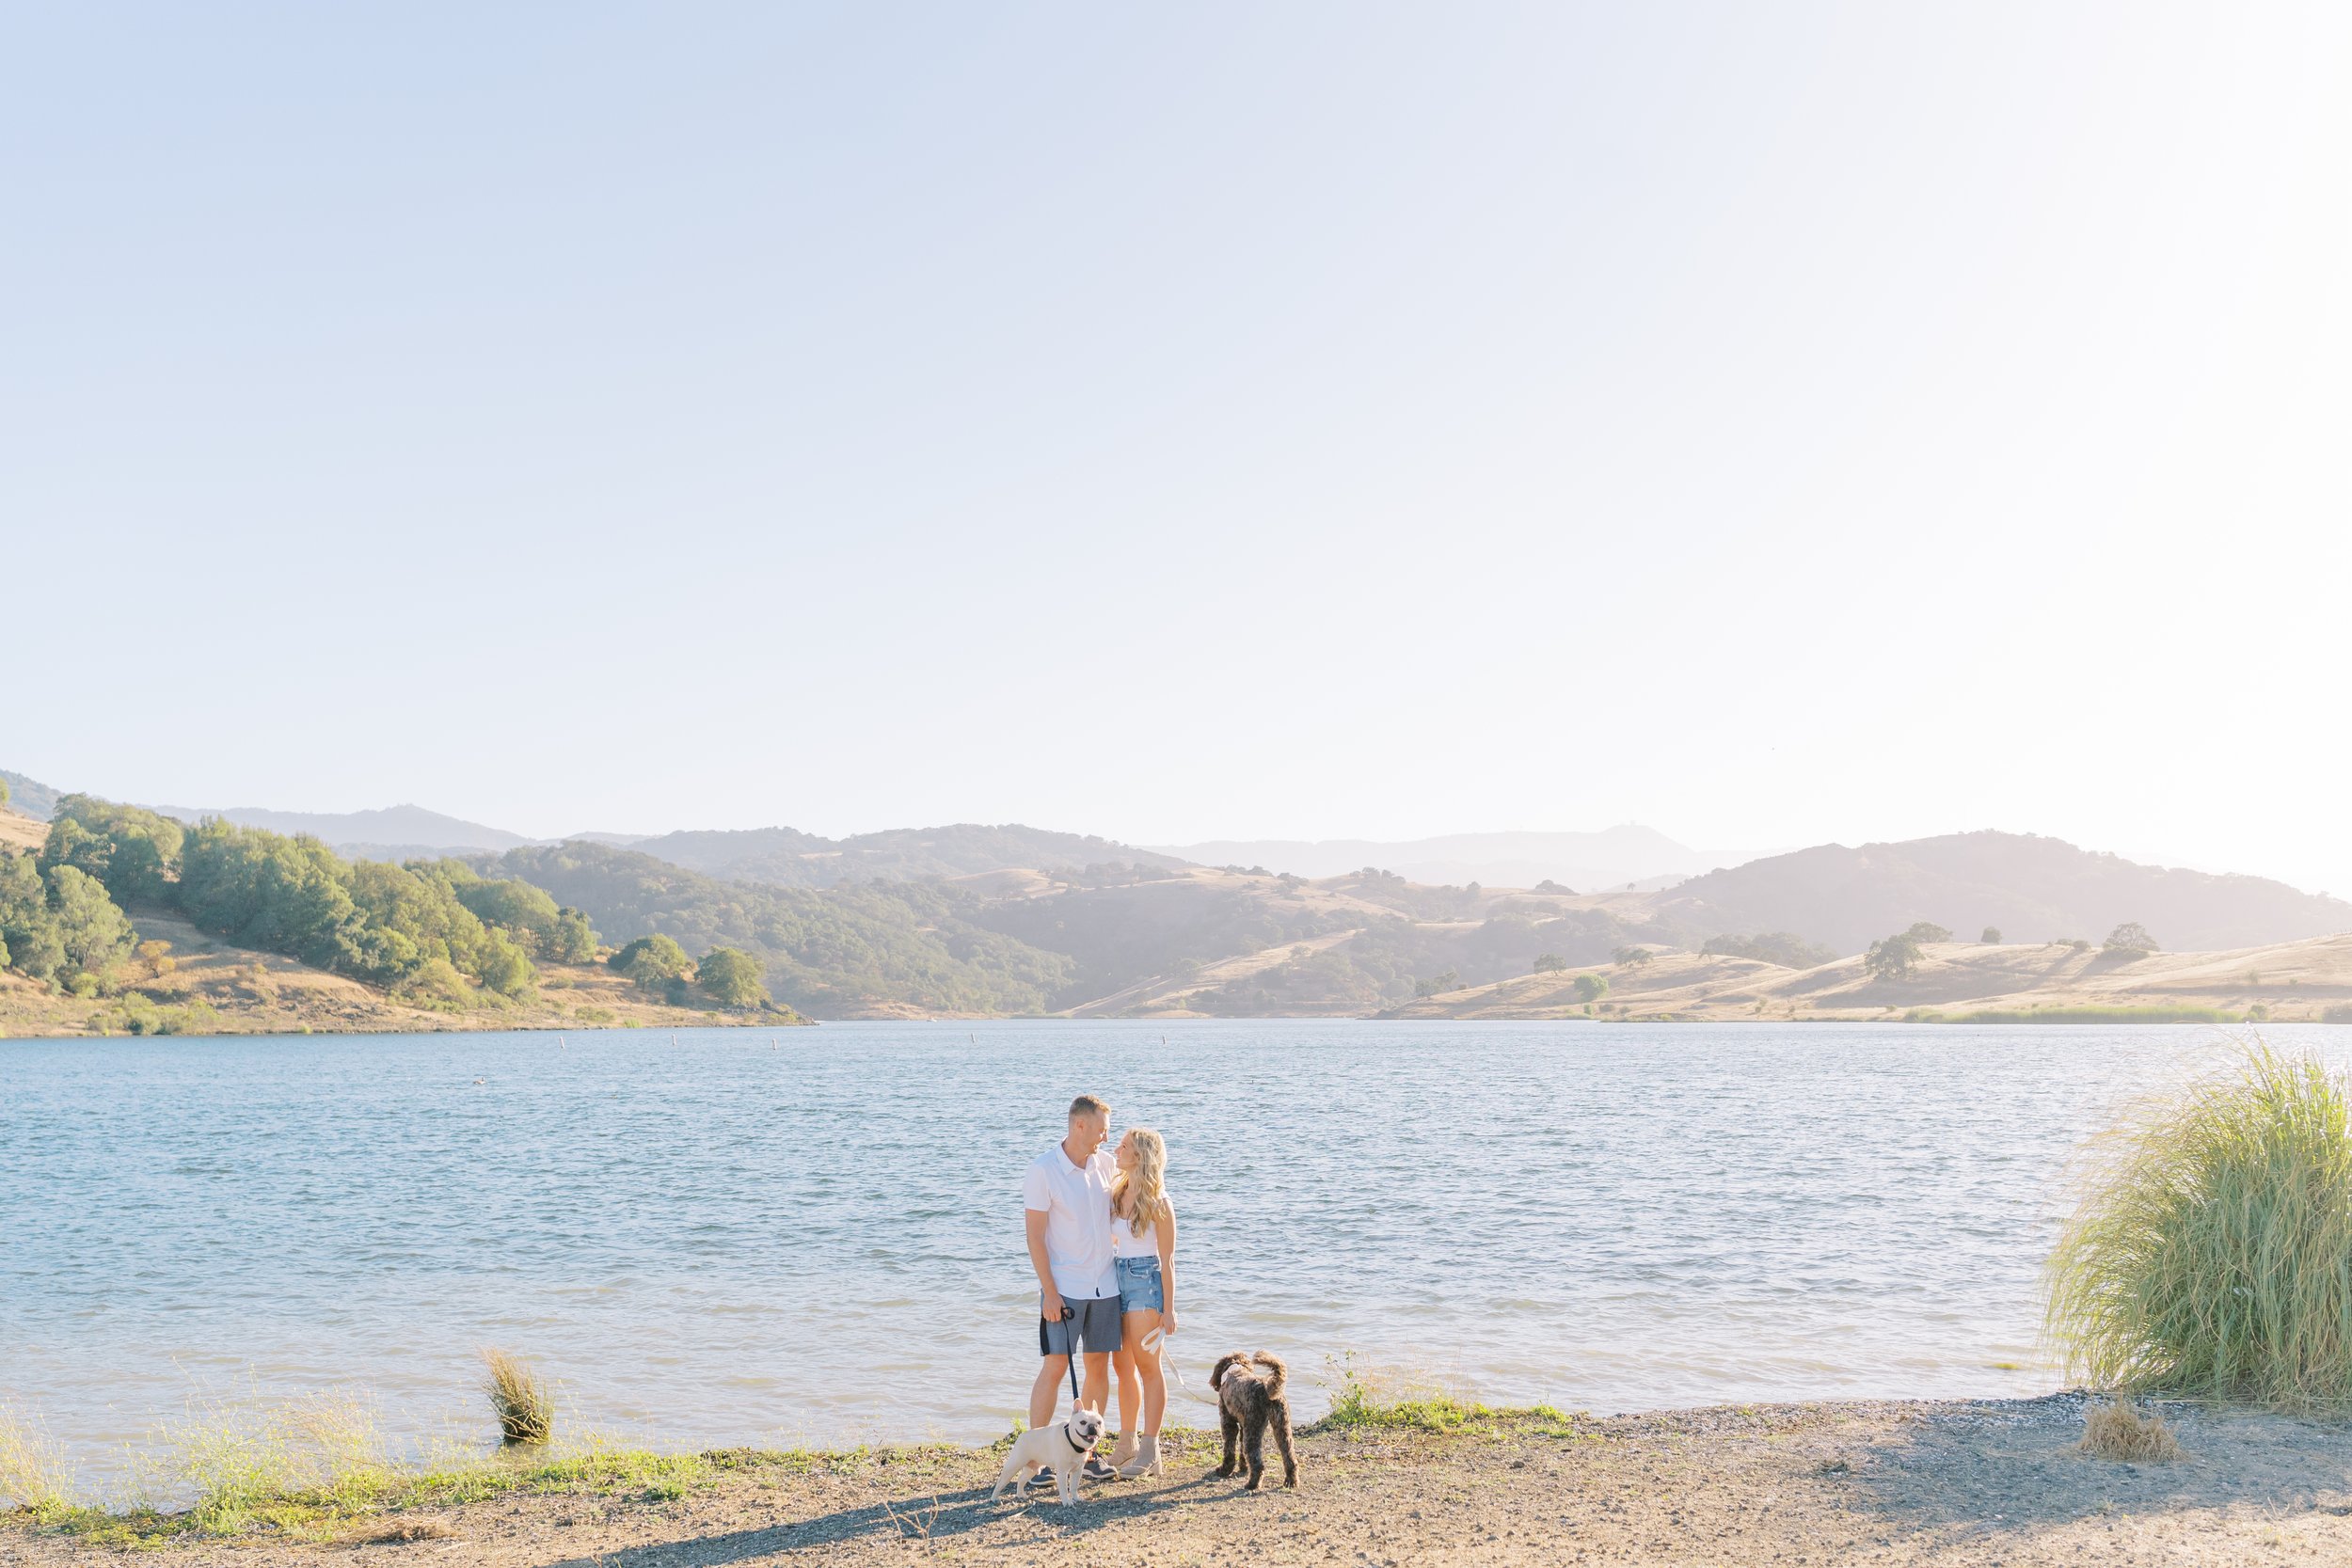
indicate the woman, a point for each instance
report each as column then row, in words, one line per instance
column 1143, row 1250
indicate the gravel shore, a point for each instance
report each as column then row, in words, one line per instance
column 1993, row 1481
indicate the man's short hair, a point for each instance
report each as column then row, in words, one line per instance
column 1086, row 1106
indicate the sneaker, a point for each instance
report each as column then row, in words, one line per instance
column 1097, row 1470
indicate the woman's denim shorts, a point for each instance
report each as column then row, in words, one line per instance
column 1139, row 1284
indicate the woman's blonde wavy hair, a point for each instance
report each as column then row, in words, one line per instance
column 1140, row 1197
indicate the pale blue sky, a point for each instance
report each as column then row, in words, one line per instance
column 1772, row 423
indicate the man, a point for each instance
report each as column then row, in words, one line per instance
column 1067, row 1191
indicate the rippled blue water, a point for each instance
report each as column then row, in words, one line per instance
column 727, row 1236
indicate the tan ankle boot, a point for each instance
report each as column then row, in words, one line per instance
column 1122, row 1450
column 1145, row 1462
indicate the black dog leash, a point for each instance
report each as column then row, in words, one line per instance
column 1069, row 1313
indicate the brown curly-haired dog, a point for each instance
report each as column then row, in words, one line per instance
column 1250, row 1399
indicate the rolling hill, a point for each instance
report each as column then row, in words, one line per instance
column 2030, row 888
column 2302, row 981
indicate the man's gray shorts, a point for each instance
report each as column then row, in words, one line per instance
column 1096, row 1323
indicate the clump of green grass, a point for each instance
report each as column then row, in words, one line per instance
column 284, row 1466
column 2210, row 1255
column 525, row 1408
column 1367, row 1400
column 35, row 1478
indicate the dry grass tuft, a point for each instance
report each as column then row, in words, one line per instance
column 525, row 1408
column 2116, row 1429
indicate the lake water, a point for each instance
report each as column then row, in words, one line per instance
column 729, row 1236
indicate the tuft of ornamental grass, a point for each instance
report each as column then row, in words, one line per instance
column 525, row 1408
column 2116, row 1430
column 2211, row 1254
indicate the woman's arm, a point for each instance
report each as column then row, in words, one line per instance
column 1167, row 1264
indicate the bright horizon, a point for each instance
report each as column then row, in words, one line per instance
column 1334, row 422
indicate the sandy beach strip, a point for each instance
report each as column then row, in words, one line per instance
column 1991, row 1482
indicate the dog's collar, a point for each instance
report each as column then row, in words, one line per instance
column 1081, row 1447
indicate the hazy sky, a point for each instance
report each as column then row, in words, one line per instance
column 1772, row 423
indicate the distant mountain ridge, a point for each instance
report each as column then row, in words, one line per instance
column 33, row 797
column 785, row 857
column 409, row 828
column 1585, row 862
column 2033, row 889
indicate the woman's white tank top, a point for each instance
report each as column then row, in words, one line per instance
column 1127, row 1242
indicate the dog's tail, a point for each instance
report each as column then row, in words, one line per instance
column 1282, row 1373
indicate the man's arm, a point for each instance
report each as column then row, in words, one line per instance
column 1051, row 1309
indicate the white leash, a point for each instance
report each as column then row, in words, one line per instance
column 1156, row 1341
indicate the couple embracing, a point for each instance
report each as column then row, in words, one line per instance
column 1103, row 1240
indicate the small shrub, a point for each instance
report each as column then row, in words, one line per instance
column 2211, row 1254
column 2115, row 1429
column 436, row 985
column 524, row 1409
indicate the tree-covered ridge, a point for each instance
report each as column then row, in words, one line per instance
column 435, row 931
column 842, row 950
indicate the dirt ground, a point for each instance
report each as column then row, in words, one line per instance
column 1903, row 1483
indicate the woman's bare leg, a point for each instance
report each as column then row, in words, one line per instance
column 1132, row 1330
column 1131, row 1400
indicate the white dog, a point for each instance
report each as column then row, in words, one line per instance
column 1061, row 1448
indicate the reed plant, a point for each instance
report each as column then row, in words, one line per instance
column 2210, row 1253
column 524, row 1406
